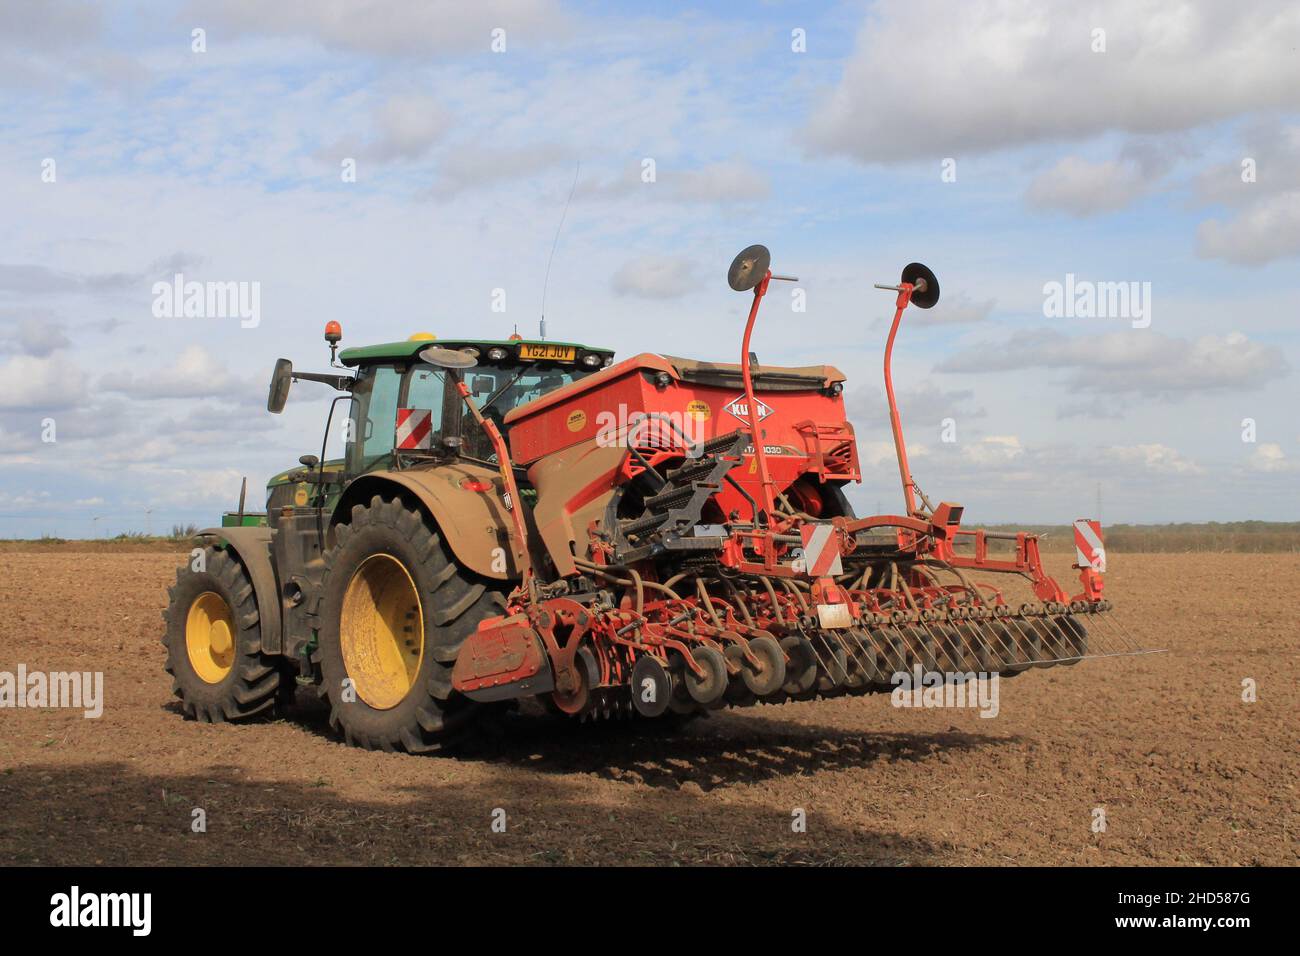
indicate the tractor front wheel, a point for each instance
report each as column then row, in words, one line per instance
column 395, row 610
column 214, row 642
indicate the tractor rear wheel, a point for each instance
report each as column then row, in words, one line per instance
column 214, row 642
column 395, row 610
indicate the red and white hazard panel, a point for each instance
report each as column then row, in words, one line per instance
column 821, row 550
column 414, row 428
column 1089, row 550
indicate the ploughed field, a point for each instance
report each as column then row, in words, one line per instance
column 1163, row 745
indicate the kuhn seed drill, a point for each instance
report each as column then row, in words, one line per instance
column 523, row 518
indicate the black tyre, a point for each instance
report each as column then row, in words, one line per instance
column 706, row 689
column 767, row 680
column 738, row 692
column 394, row 612
column 214, row 642
column 801, row 670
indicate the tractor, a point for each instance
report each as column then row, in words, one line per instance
column 525, row 519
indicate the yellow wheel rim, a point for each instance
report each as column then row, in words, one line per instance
column 210, row 637
column 381, row 631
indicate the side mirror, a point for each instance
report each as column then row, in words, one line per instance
column 309, row 461
column 281, row 379
column 482, row 384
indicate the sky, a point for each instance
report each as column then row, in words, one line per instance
column 403, row 166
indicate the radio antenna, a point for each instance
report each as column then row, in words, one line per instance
column 555, row 242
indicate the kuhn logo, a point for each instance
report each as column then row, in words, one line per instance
column 740, row 408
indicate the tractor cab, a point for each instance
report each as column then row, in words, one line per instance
column 404, row 413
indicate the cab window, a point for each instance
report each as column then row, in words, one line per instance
column 426, row 388
column 498, row 390
column 373, row 418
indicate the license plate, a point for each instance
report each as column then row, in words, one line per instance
column 548, row 353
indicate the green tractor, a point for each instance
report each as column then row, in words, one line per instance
column 366, row 573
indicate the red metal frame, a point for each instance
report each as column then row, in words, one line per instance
column 895, row 424
column 662, row 626
column 751, row 400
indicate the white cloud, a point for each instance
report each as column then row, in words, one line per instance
column 34, row 336
column 1270, row 458
column 1272, row 152
column 1139, row 361
column 881, row 454
column 1267, row 230
column 28, row 279
column 930, row 79
column 922, row 407
column 405, row 127
column 993, row 449
column 1083, row 188
column 40, row 338
column 959, row 309
column 49, row 45
column 195, row 373
column 42, row 384
column 471, row 166
column 1157, row 458
column 51, row 25
column 734, row 181
column 656, row 277
column 392, row 27
column 23, row 499
column 731, row 181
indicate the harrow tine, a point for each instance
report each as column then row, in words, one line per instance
column 1128, row 644
column 1038, row 653
column 944, row 645
column 995, row 643
column 1027, row 642
column 1048, row 643
column 918, row 630
column 820, row 663
column 1054, row 640
column 941, row 644
column 894, row 652
column 921, row 645
column 974, row 641
column 865, row 660
column 914, row 636
column 1001, row 643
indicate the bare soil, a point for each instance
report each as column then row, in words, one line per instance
column 1184, row 770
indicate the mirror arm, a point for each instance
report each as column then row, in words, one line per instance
column 342, row 383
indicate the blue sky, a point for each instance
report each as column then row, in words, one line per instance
column 1120, row 164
